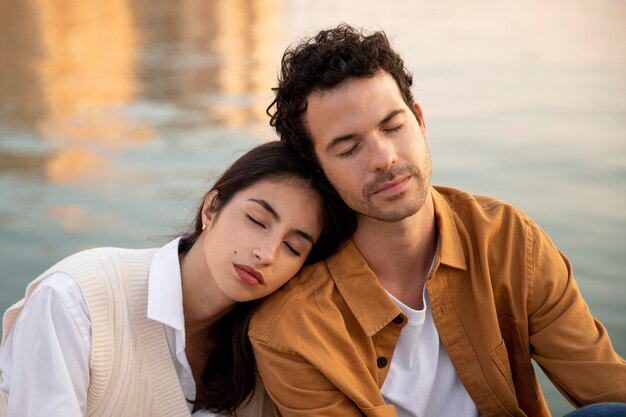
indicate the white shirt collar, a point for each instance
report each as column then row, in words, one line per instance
column 165, row 290
column 165, row 305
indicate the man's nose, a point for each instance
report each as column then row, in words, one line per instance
column 383, row 154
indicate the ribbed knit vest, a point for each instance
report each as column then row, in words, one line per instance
column 131, row 370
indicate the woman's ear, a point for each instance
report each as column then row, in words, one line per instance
column 420, row 118
column 209, row 209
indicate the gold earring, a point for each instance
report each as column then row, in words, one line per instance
column 203, row 227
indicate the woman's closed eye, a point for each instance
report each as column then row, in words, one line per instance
column 255, row 221
column 291, row 249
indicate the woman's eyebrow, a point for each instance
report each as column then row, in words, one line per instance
column 304, row 235
column 267, row 206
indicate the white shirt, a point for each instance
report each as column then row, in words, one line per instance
column 46, row 356
column 421, row 379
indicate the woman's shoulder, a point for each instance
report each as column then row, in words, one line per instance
column 50, row 291
column 58, row 298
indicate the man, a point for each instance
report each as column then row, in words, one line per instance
column 441, row 299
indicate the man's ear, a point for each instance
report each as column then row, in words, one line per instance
column 420, row 117
column 209, row 208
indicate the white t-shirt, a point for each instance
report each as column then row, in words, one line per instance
column 422, row 381
column 54, row 349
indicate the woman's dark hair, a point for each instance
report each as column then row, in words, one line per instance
column 322, row 63
column 229, row 377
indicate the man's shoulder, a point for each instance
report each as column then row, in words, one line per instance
column 463, row 203
column 303, row 296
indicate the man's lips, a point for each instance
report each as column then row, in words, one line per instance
column 393, row 186
column 249, row 275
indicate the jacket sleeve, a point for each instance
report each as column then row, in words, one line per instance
column 298, row 388
column 570, row 345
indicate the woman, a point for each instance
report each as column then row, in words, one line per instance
column 162, row 332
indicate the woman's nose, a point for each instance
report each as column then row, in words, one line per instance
column 265, row 251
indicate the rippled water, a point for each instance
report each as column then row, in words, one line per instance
column 114, row 115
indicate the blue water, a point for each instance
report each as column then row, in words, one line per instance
column 114, row 117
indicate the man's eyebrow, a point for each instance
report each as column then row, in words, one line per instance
column 336, row 141
column 267, row 207
column 391, row 115
column 276, row 217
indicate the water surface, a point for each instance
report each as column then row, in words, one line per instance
column 115, row 115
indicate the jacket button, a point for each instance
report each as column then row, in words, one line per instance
column 381, row 361
column 398, row 319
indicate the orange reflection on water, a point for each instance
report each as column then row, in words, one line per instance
column 88, row 74
column 74, row 218
column 246, row 41
column 71, row 164
column 77, row 218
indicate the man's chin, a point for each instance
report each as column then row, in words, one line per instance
column 392, row 215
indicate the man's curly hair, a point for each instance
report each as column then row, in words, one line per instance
column 323, row 62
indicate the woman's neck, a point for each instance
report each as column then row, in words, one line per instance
column 203, row 302
column 202, row 306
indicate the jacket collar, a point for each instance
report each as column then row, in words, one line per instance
column 359, row 286
column 450, row 251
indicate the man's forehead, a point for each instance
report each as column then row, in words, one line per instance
column 374, row 101
column 345, row 84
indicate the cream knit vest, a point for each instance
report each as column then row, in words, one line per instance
column 131, row 371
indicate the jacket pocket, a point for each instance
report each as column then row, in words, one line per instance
column 513, row 360
column 501, row 358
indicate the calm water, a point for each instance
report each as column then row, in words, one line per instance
column 114, row 115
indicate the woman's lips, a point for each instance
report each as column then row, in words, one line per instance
column 249, row 275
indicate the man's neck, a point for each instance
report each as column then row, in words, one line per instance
column 401, row 253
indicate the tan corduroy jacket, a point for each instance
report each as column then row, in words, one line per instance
column 501, row 293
